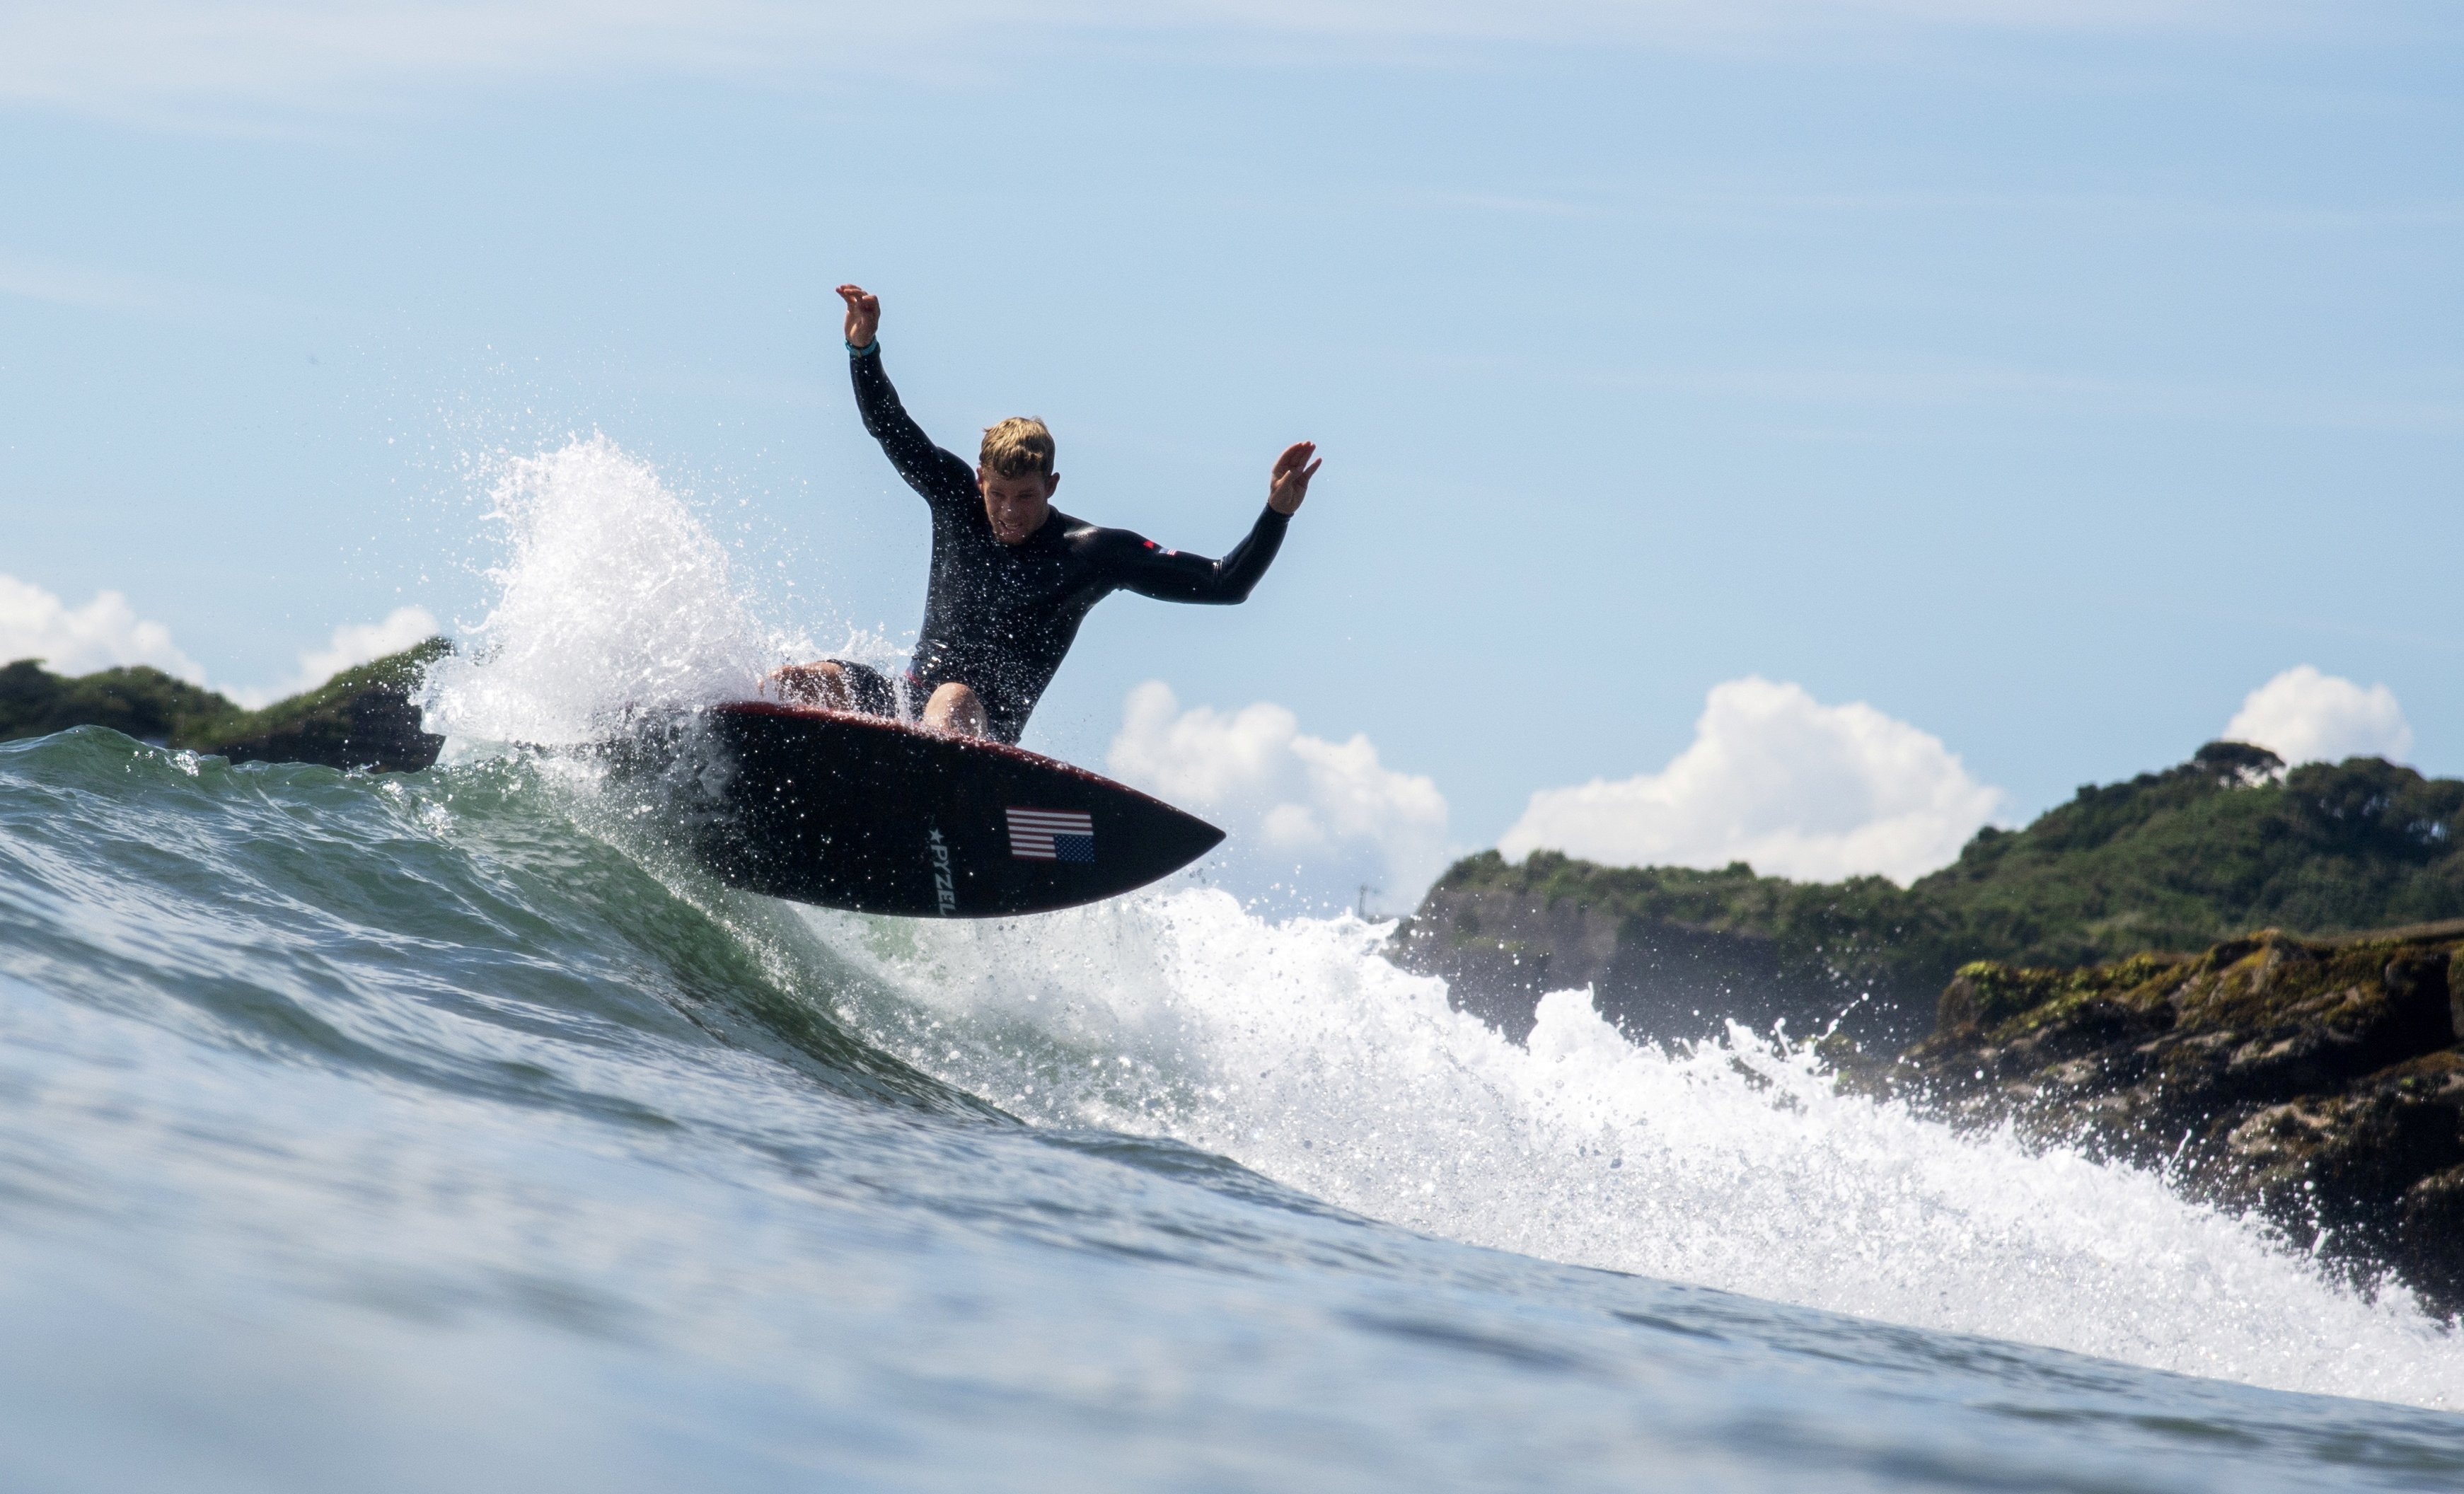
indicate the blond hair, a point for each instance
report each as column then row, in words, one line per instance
column 1017, row 446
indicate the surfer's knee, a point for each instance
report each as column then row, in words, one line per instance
column 956, row 708
column 819, row 684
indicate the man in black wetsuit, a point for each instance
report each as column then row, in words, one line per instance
column 1012, row 576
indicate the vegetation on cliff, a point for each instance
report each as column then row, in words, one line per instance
column 2217, row 846
column 361, row 718
column 141, row 702
column 2177, row 860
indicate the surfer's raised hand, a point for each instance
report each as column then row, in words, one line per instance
column 864, row 315
column 1290, row 483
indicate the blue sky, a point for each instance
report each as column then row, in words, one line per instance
column 2047, row 377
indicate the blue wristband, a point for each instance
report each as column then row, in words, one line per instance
column 873, row 346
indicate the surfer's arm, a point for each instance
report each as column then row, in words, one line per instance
column 1170, row 576
column 940, row 476
column 1150, row 570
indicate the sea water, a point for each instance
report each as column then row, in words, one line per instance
column 449, row 1130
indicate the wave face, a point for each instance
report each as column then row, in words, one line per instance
column 448, row 1130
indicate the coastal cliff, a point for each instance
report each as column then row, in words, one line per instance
column 363, row 718
column 1672, row 953
column 2177, row 860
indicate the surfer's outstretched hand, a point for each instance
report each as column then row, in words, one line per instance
column 1289, row 482
column 864, row 315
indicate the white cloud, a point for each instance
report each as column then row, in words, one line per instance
column 104, row 632
column 1775, row 778
column 1286, row 798
column 2303, row 716
column 152, row 55
column 352, row 644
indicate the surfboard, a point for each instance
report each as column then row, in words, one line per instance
column 877, row 815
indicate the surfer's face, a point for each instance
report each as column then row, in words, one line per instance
column 1017, row 506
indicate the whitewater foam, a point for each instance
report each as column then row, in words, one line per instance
column 1295, row 1049
column 612, row 595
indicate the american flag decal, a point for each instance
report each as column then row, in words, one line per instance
column 1051, row 835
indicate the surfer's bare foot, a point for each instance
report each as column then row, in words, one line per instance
column 955, row 709
column 818, row 684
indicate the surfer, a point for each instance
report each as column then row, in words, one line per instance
column 1012, row 576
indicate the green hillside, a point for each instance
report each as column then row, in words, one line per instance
column 141, row 702
column 2182, row 858
column 2177, row 860
column 361, row 717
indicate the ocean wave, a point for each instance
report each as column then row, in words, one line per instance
column 453, row 1129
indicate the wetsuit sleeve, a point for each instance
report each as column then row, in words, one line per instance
column 941, row 477
column 1141, row 566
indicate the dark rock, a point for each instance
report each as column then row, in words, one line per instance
column 2417, row 986
column 2429, row 1222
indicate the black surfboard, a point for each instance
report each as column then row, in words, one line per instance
column 877, row 815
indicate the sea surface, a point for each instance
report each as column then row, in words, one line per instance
column 448, row 1130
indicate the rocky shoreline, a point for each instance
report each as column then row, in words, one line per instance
column 2317, row 1083
column 2312, row 1078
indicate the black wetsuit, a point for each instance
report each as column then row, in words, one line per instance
column 998, row 617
